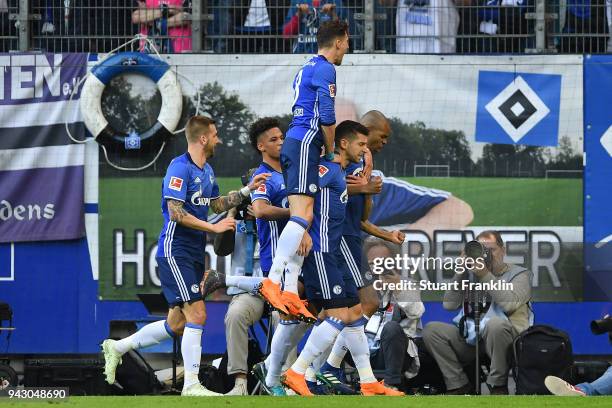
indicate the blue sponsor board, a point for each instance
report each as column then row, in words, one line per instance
column 598, row 177
column 518, row 108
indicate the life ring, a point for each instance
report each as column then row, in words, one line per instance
column 131, row 62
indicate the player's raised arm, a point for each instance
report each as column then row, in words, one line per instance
column 234, row 198
column 325, row 81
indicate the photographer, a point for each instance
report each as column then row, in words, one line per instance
column 393, row 329
column 601, row 386
column 269, row 207
column 507, row 315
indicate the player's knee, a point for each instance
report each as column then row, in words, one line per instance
column 369, row 300
column 177, row 327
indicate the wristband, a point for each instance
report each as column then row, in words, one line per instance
column 329, row 156
column 245, row 192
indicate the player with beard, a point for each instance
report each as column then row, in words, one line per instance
column 189, row 188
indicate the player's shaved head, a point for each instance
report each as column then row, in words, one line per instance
column 196, row 126
column 379, row 128
column 374, row 120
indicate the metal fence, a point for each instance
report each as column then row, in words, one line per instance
column 284, row 26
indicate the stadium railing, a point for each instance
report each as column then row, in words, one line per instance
column 391, row 26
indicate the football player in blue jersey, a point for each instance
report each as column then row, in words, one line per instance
column 329, row 287
column 312, row 128
column 189, row 188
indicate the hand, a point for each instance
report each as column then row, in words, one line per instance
column 369, row 164
column 226, row 224
column 302, row 9
column 329, row 8
column 258, row 180
column 397, row 237
column 305, row 245
column 250, row 211
column 375, row 185
column 359, row 180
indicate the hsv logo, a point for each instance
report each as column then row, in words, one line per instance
column 175, row 183
column 322, row 170
column 332, row 90
column 262, row 189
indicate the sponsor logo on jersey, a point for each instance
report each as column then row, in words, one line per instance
column 323, row 170
column 197, row 199
column 176, row 183
column 332, row 90
column 197, row 180
column 344, row 197
column 262, row 189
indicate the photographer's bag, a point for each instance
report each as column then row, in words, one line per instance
column 540, row 351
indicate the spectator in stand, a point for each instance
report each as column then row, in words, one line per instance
column 259, row 22
column 303, row 20
column 166, row 23
column 495, row 26
column 585, row 29
column 426, row 26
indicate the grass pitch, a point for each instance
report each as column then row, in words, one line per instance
column 331, row 401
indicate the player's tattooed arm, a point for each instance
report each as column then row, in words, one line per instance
column 176, row 211
column 225, row 203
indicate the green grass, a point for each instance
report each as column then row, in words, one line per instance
column 331, row 401
column 132, row 204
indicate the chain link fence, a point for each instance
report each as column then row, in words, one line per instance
column 290, row 26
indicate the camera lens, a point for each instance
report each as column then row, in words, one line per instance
column 474, row 249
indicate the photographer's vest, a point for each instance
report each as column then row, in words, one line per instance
column 520, row 319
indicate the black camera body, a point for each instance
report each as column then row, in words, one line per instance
column 241, row 210
column 602, row 326
column 475, row 250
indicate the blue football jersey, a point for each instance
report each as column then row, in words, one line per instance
column 355, row 205
column 273, row 191
column 401, row 202
column 196, row 187
column 329, row 208
column 314, row 90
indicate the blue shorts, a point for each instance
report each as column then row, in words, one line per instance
column 180, row 279
column 300, row 163
column 350, row 259
column 325, row 279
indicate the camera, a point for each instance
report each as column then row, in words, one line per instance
column 475, row 250
column 602, row 326
column 241, row 210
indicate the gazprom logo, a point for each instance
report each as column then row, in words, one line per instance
column 197, row 199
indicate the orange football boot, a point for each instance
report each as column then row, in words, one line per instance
column 297, row 307
column 378, row 388
column 296, row 382
column 271, row 292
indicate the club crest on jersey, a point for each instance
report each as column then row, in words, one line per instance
column 262, row 189
column 176, row 183
column 332, row 90
column 322, row 170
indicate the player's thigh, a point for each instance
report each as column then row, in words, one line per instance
column 180, row 278
column 300, row 165
column 326, row 286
